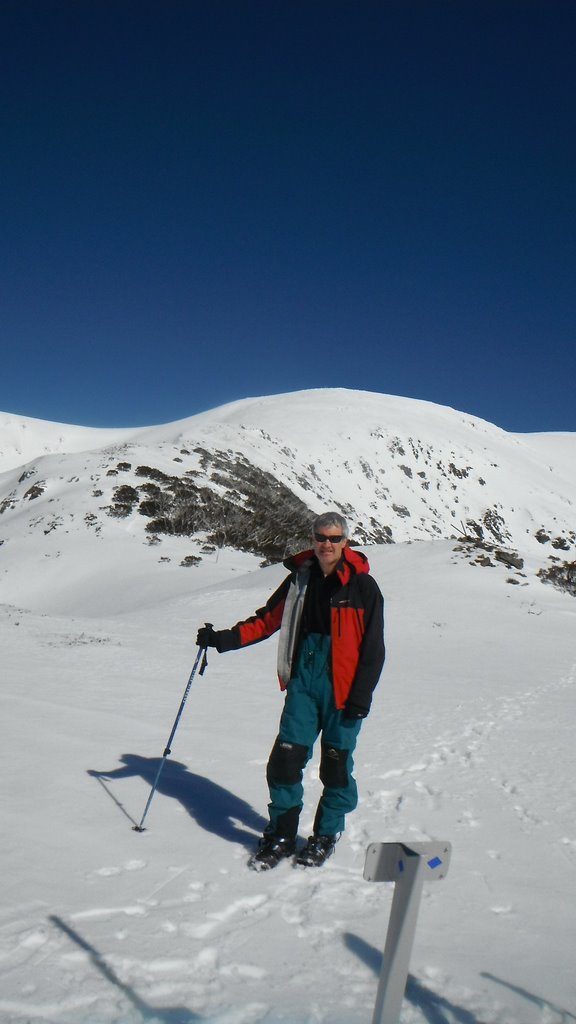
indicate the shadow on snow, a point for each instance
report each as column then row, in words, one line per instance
column 434, row 1008
column 564, row 1016
column 165, row 1015
column 214, row 808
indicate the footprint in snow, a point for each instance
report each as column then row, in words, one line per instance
column 245, row 908
column 129, row 865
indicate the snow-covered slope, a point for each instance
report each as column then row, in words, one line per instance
column 470, row 741
column 24, row 438
column 247, row 476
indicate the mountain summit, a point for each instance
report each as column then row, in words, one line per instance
column 248, row 476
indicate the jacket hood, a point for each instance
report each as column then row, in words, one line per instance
column 351, row 562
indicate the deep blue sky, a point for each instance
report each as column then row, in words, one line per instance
column 205, row 200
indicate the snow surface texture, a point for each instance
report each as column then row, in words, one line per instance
column 470, row 740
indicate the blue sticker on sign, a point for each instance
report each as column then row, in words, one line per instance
column 434, row 863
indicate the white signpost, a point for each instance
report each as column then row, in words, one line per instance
column 408, row 865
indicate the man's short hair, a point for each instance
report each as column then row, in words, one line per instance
column 330, row 519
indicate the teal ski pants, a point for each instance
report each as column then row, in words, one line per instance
column 309, row 711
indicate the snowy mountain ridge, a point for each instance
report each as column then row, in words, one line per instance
column 249, row 475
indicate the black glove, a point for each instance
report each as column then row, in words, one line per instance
column 206, row 637
column 354, row 712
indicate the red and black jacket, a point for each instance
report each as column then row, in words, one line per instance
column 357, row 626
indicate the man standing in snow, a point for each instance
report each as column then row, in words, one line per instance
column 330, row 613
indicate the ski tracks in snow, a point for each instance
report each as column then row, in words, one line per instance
column 514, row 809
column 184, row 942
column 126, row 963
column 424, row 793
column 183, row 949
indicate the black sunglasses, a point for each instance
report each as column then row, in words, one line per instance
column 323, row 539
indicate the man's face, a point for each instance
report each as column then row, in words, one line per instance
column 328, row 546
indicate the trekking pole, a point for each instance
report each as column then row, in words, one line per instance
column 202, row 653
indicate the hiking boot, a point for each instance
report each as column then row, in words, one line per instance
column 271, row 850
column 316, row 851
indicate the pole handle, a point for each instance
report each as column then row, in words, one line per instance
column 204, row 665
